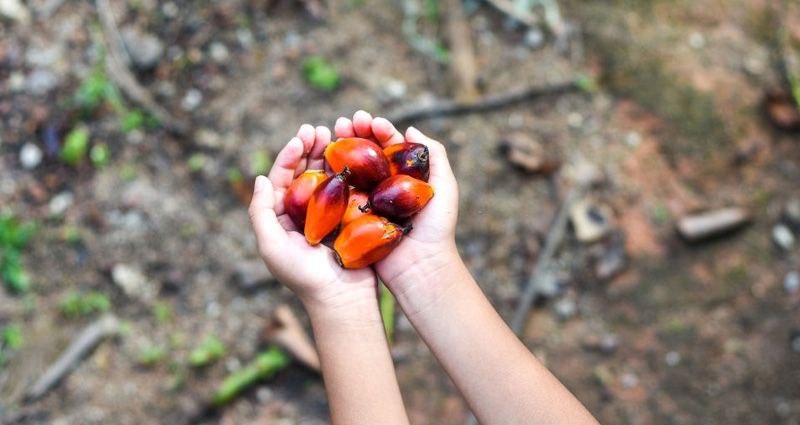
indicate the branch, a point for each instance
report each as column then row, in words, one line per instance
column 487, row 103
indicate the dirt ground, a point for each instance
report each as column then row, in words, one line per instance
column 683, row 334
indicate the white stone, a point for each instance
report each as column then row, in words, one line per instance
column 218, row 52
column 60, row 203
column 783, row 237
column 30, row 156
column 192, row 100
column 16, row 10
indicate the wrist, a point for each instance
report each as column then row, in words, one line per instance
column 354, row 308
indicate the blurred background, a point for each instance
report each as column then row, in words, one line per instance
column 630, row 167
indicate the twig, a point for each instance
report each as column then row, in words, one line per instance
column 80, row 347
column 117, row 67
column 487, row 103
column 523, row 16
column 551, row 244
column 285, row 331
column 463, row 68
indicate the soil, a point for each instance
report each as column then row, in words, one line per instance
column 685, row 334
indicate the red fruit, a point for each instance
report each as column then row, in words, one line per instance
column 408, row 158
column 366, row 240
column 326, row 207
column 356, row 206
column 365, row 159
column 295, row 200
column 400, row 197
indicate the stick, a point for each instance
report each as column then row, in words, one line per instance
column 463, row 68
column 78, row 349
column 487, row 103
column 523, row 16
column 117, row 67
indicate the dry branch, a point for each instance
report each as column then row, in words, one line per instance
column 488, row 103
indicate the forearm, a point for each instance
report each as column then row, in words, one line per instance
column 356, row 365
column 498, row 376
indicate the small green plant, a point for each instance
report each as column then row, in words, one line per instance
column 196, row 162
column 76, row 145
column 387, row 306
column 151, row 355
column 99, row 155
column 267, row 364
column 10, row 339
column 235, row 175
column 14, row 237
column 162, row 312
column 210, row 350
column 321, row 74
column 260, row 163
column 96, row 90
column 127, row 172
column 76, row 304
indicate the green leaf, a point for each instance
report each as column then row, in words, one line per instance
column 77, row 304
column 320, row 74
column 235, row 175
column 387, row 307
column 196, row 162
column 266, row 365
column 151, row 355
column 99, row 155
column 260, row 162
column 76, row 144
column 13, row 274
column 209, row 351
column 11, row 337
column 132, row 120
column 162, row 312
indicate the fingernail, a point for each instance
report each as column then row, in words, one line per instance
column 260, row 181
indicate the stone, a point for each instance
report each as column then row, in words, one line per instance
column 528, row 154
column 612, row 261
column 44, row 57
column 145, row 49
column 783, row 237
column 191, row 100
column 791, row 214
column 40, row 82
column 791, row 282
column 672, row 358
column 218, row 52
column 591, row 221
column 534, row 38
column 252, row 275
column 30, row 156
column 133, row 282
column 565, row 308
column 15, row 10
column 60, row 203
column 393, row 90
column 709, row 224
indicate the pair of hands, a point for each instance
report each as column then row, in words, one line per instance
column 311, row 271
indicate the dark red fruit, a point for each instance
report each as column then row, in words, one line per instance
column 365, row 159
column 400, row 197
column 327, row 206
column 295, row 200
column 408, row 158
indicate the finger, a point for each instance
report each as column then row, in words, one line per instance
column 306, row 134
column 362, row 124
column 385, row 132
column 344, row 128
column 321, row 141
column 286, row 163
column 271, row 236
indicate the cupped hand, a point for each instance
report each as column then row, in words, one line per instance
column 431, row 243
column 310, row 271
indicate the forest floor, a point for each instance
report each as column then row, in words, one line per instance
column 673, row 333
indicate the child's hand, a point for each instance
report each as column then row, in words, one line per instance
column 430, row 246
column 310, row 271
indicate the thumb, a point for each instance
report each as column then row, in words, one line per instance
column 269, row 232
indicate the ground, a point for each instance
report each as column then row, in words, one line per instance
column 684, row 334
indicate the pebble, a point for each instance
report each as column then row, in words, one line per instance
column 394, row 89
column 608, row 343
column 528, row 154
column 565, row 308
column 133, row 282
column 534, row 38
column 696, row 40
column 252, row 275
column 629, row 380
column 264, row 394
column 633, row 139
column 213, row 310
column 218, row 52
column 232, row 364
column 697, row 227
column 575, row 120
column 783, row 237
column 590, row 220
column 672, row 358
column 16, row 10
column 245, row 37
column 791, row 282
column 30, row 156
column 145, row 49
column 16, row 82
column 191, row 100
column 612, row 261
column 60, row 203
column 43, row 57
column 40, row 82
column 169, row 9
column 208, row 138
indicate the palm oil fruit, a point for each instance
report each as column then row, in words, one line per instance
column 366, row 240
column 365, row 159
column 296, row 198
column 327, row 206
column 356, row 206
column 408, row 158
column 399, row 197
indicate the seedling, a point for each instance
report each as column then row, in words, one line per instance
column 14, row 237
column 321, row 74
column 209, row 351
column 77, row 304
